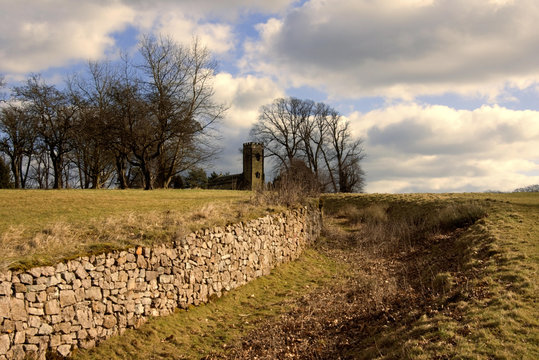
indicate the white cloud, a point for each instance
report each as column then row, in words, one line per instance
column 228, row 10
column 244, row 96
column 218, row 38
column 210, row 20
column 37, row 35
column 393, row 48
column 415, row 148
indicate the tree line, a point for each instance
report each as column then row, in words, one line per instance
column 529, row 188
column 311, row 139
column 135, row 123
column 144, row 120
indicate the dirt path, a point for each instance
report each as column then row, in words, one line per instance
column 380, row 297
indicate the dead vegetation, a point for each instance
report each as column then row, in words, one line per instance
column 295, row 184
column 457, row 291
column 402, row 266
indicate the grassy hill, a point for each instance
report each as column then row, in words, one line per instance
column 42, row 227
column 418, row 276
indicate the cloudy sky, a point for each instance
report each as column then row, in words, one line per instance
column 445, row 93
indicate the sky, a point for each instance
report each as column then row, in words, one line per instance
column 444, row 93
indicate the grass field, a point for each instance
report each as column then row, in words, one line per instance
column 42, row 227
column 395, row 276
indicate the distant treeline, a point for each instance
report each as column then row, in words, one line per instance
column 530, row 188
column 147, row 121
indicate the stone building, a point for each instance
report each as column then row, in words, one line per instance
column 251, row 178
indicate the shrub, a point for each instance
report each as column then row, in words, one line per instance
column 396, row 226
column 196, row 178
column 5, row 178
column 455, row 216
column 294, row 185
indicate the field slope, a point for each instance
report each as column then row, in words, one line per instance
column 40, row 227
column 395, row 276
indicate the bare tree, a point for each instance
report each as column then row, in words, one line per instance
column 54, row 116
column 280, row 127
column 18, row 141
column 293, row 129
column 343, row 155
column 92, row 153
column 181, row 99
column 134, row 129
column 126, row 106
column 40, row 173
column 168, row 109
column 313, row 134
column 148, row 120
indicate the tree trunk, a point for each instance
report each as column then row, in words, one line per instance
column 120, row 172
column 57, row 169
column 96, row 181
column 15, row 168
column 25, row 177
column 147, row 178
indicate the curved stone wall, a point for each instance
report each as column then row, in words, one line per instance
column 84, row 301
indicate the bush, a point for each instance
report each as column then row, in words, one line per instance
column 393, row 226
column 455, row 216
column 294, row 185
column 196, row 178
column 5, row 177
column 177, row 182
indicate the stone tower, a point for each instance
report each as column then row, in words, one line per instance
column 253, row 166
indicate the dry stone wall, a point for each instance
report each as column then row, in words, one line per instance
column 84, row 301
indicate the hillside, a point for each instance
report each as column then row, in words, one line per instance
column 40, row 227
column 395, row 276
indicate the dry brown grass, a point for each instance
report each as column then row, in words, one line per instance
column 64, row 240
column 294, row 185
column 46, row 239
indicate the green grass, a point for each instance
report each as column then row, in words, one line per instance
column 493, row 316
column 35, row 209
column 43, row 227
column 505, row 324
